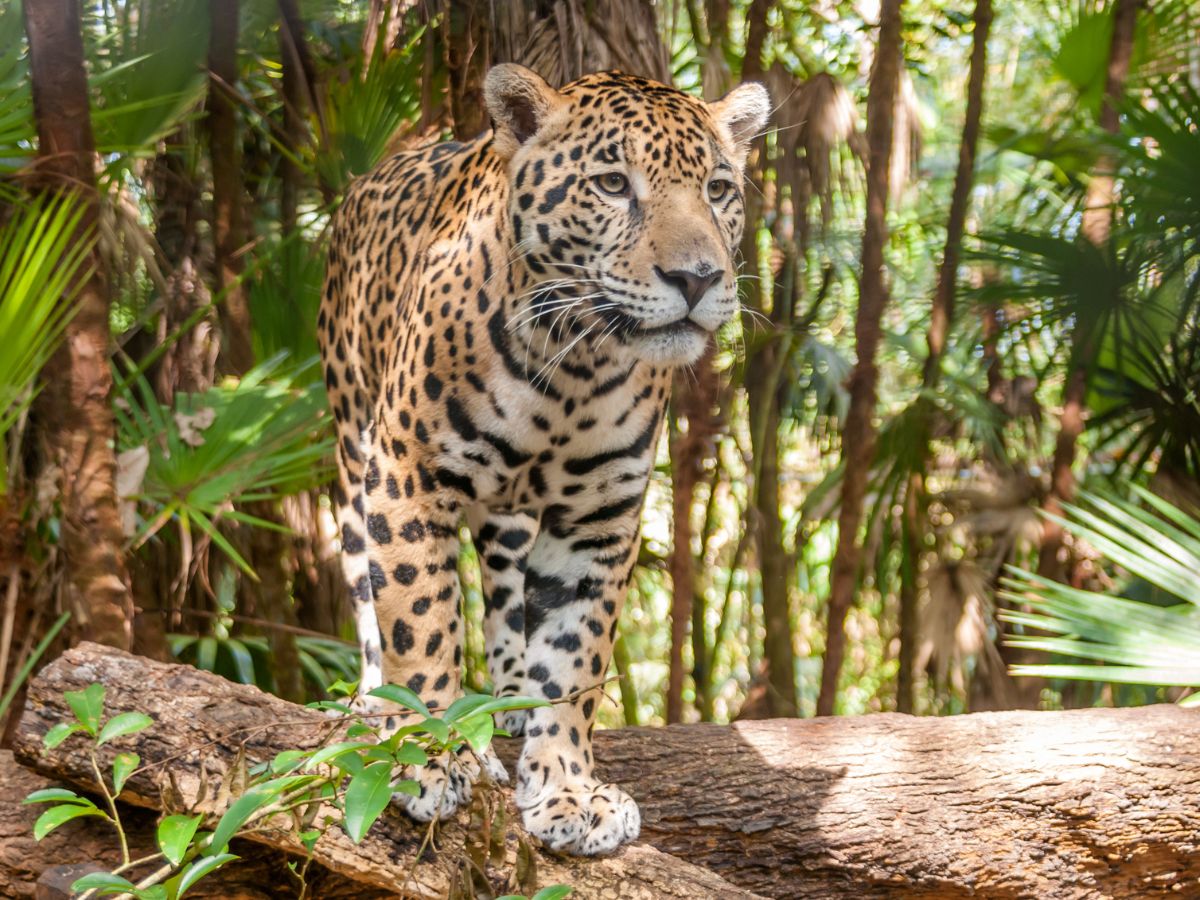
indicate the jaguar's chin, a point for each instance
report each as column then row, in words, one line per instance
column 676, row 344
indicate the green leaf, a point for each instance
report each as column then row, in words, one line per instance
column 343, row 688
column 247, row 805
column 334, row 751
column 366, row 798
column 502, row 704
column 477, row 729
column 439, row 729
column 407, row 786
column 154, row 892
column 88, row 705
column 400, row 695
column 175, row 834
column 235, row 817
column 102, row 882
column 124, row 765
column 554, row 892
column 123, row 724
column 309, row 839
column 464, row 706
column 332, row 706
column 410, row 754
column 1191, row 701
column 201, row 867
column 60, row 733
column 51, row 795
column 287, row 761
column 57, row 815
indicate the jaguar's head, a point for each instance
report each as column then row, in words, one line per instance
column 626, row 204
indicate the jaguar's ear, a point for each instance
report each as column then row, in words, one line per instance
column 519, row 102
column 742, row 113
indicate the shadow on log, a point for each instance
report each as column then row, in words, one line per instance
column 1090, row 803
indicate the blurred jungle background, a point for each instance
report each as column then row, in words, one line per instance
column 947, row 460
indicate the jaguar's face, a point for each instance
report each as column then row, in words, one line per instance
column 627, row 205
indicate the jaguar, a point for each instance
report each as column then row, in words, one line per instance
column 500, row 323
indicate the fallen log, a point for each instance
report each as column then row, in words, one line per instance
column 1090, row 803
column 203, row 721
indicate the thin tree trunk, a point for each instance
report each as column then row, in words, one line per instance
column 858, row 433
column 1096, row 227
column 466, row 38
column 227, row 229
column 75, row 415
column 761, row 384
column 295, row 80
column 270, row 591
column 940, row 321
column 694, row 401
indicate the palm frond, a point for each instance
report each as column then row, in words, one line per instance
column 41, row 253
column 257, row 438
column 1127, row 641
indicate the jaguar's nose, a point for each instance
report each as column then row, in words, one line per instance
column 692, row 285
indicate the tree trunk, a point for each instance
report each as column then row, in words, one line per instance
column 1096, row 226
column 694, row 398
column 940, row 320
column 228, row 233
column 297, row 83
column 195, row 709
column 74, row 415
column 858, row 432
column 1088, row 803
column 466, row 37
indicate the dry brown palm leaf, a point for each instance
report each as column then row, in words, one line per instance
column 956, row 623
column 814, row 121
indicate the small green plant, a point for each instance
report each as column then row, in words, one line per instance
column 345, row 784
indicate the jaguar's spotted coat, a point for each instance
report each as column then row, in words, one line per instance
column 499, row 326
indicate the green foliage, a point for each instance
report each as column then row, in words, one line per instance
column 41, row 253
column 246, row 659
column 16, row 97
column 149, row 74
column 1153, row 641
column 357, row 777
column 363, row 115
column 284, row 294
column 256, row 438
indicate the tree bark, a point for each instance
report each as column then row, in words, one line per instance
column 197, row 711
column 228, row 232
column 1096, row 228
column 859, row 432
column 940, row 320
column 1082, row 804
column 75, row 417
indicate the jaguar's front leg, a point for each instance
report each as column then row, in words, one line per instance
column 503, row 540
column 574, row 589
column 412, row 555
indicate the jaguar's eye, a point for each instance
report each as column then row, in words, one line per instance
column 717, row 189
column 613, row 183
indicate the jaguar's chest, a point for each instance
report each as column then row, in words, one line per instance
column 513, row 446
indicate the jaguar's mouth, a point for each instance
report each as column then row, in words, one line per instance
column 631, row 326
